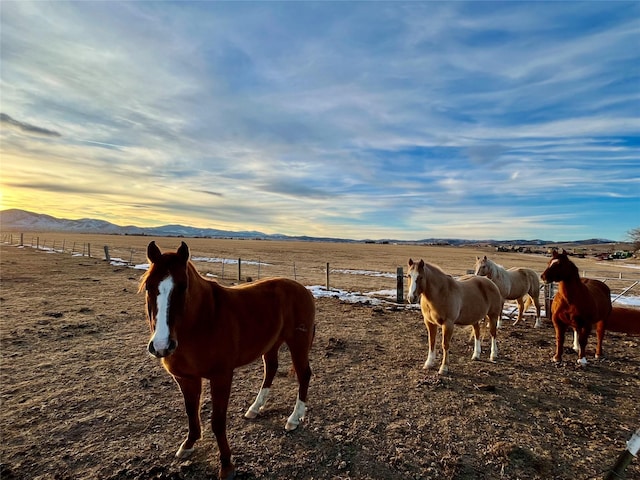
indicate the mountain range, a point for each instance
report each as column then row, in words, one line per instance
column 22, row 220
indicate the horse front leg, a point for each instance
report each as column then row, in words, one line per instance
column 583, row 336
column 220, row 392
column 560, row 330
column 600, row 329
column 447, row 332
column 191, row 389
column 432, row 329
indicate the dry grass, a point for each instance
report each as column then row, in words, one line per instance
column 81, row 399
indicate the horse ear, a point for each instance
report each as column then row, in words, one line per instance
column 421, row 264
column 410, row 261
column 183, row 252
column 564, row 252
column 153, row 252
column 485, row 258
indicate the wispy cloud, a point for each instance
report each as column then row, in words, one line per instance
column 403, row 119
column 7, row 121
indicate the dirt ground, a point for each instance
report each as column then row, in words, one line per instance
column 81, row 398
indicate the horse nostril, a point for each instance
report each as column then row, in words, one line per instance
column 172, row 346
column 150, row 349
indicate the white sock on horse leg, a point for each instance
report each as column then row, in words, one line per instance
column 296, row 417
column 257, row 406
column 477, row 349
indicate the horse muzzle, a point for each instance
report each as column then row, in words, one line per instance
column 162, row 352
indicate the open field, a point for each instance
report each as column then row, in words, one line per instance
column 82, row 399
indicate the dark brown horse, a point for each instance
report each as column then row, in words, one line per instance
column 624, row 320
column 580, row 303
column 203, row 330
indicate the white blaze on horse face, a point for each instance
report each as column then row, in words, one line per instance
column 411, row 295
column 161, row 333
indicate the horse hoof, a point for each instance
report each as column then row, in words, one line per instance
column 183, row 453
column 223, row 475
column 250, row 414
column 289, row 427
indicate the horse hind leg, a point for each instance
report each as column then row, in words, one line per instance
column 493, row 356
column 477, row 344
column 300, row 360
column 270, row 361
column 535, row 297
column 522, row 307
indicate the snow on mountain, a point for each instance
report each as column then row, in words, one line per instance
column 15, row 219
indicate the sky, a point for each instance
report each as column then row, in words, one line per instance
column 362, row 120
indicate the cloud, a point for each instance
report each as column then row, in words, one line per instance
column 7, row 121
column 330, row 117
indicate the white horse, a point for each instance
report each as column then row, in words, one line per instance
column 520, row 284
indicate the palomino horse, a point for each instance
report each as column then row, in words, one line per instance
column 446, row 302
column 201, row 329
column 580, row 303
column 520, row 284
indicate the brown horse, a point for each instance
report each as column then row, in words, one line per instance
column 624, row 320
column 203, row 330
column 517, row 283
column 446, row 302
column 580, row 303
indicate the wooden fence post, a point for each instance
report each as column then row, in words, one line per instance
column 22, row 239
column 106, row 253
column 88, row 249
column 327, row 276
column 239, row 269
column 399, row 285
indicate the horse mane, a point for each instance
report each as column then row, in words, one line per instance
column 498, row 271
column 143, row 279
column 438, row 268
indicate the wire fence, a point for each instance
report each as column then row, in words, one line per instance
column 375, row 284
